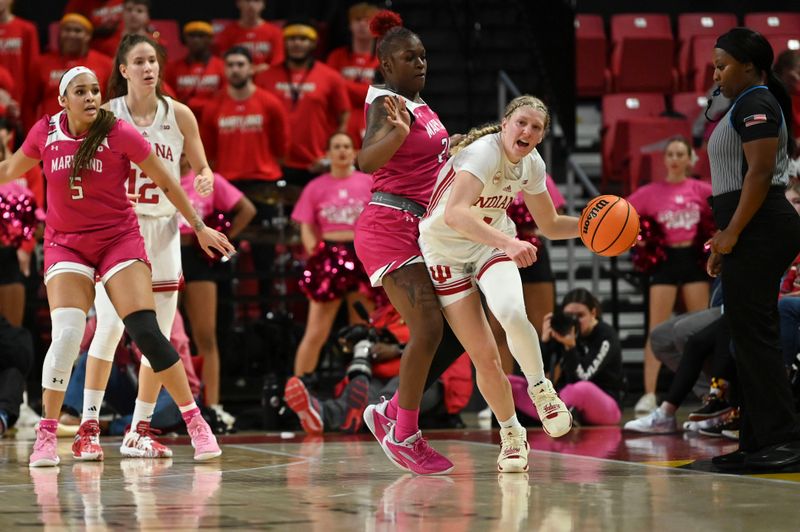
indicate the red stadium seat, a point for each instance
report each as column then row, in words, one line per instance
column 590, row 55
column 689, row 104
column 701, row 70
column 642, row 55
column 781, row 43
column 640, row 136
column 777, row 23
column 694, row 25
column 168, row 33
column 618, row 108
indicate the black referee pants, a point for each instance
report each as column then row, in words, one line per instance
column 750, row 282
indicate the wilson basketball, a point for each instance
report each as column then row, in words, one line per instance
column 609, row 225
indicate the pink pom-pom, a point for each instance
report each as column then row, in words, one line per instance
column 650, row 249
column 332, row 271
column 18, row 219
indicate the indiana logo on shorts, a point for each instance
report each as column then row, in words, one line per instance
column 440, row 274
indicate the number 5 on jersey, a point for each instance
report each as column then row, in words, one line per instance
column 145, row 186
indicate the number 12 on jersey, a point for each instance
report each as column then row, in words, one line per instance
column 144, row 188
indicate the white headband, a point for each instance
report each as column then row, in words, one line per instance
column 71, row 74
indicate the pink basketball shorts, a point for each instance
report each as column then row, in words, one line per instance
column 386, row 240
column 93, row 253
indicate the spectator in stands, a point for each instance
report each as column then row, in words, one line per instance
column 357, row 63
column 586, row 362
column 315, row 97
column 15, row 262
column 787, row 68
column 677, row 204
column 327, row 212
column 201, row 273
column 789, row 299
column 262, row 38
column 199, row 76
column 74, row 34
column 245, row 132
column 16, row 360
column 708, row 346
column 374, row 373
column 19, row 48
column 106, row 19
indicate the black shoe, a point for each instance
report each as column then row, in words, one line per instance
column 713, row 407
column 734, row 460
column 731, row 423
column 775, row 456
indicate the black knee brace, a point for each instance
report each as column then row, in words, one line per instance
column 143, row 328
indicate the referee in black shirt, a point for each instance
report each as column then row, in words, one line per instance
column 760, row 236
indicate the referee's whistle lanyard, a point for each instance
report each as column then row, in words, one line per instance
column 296, row 89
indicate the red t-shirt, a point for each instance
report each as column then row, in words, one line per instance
column 358, row 71
column 246, row 138
column 46, row 75
column 321, row 98
column 196, row 83
column 265, row 42
column 106, row 17
column 19, row 48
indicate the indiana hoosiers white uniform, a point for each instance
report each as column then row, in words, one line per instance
column 454, row 262
column 158, row 223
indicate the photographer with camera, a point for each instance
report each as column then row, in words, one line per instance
column 586, row 361
column 373, row 373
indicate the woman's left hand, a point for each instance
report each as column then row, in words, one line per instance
column 568, row 341
column 204, row 185
column 723, row 242
column 211, row 239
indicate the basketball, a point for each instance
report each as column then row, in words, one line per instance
column 609, row 225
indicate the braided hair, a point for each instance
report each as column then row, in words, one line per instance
column 488, row 129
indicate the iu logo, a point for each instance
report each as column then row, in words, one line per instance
column 440, row 274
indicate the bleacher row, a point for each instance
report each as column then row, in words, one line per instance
column 652, row 82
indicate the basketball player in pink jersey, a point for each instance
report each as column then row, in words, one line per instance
column 170, row 128
column 91, row 230
column 404, row 147
column 469, row 243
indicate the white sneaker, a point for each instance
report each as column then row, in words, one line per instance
column 27, row 416
column 140, row 442
column 646, row 404
column 486, row 413
column 514, row 450
column 224, row 416
column 553, row 413
column 655, row 423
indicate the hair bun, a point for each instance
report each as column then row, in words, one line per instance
column 383, row 21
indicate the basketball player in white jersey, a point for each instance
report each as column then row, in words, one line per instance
column 171, row 128
column 469, row 243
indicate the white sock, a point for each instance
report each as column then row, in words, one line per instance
column 142, row 412
column 187, row 408
column 510, row 423
column 92, row 400
column 535, row 379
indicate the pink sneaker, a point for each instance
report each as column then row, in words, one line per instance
column 44, row 449
column 416, row 455
column 379, row 425
column 376, row 419
column 305, row 406
column 87, row 442
column 203, row 440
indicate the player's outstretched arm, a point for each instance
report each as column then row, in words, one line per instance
column 553, row 225
column 15, row 166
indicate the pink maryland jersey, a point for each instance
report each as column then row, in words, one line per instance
column 501, row 179
column 96, row 200
column 167, row 140
column 412, row 170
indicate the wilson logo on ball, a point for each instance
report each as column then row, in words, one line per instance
column 609, row 225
